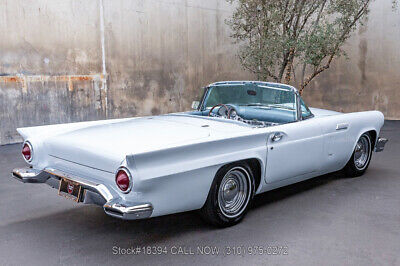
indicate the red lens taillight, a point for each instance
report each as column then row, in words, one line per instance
column 123, row 180
column 27, row 152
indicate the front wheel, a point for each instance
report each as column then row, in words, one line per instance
column 361, row 157
column 230, row 195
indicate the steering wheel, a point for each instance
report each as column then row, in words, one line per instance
column 222, row 107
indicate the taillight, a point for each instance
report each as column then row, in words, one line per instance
column 27, row 152
column 123, row 180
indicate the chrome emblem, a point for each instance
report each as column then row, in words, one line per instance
column 70, row 188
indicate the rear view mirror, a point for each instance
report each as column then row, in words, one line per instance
column 195, row 105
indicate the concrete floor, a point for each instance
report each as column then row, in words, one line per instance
column 327, row 220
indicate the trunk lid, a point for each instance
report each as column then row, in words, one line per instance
column 105, row 146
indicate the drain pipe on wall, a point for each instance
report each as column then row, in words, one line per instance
column 103, row 57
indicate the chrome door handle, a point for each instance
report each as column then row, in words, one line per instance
column 277, row 136
column 342, row 126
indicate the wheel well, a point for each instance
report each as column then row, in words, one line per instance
column 256, row 168
column 372, row 133
column 254, row 165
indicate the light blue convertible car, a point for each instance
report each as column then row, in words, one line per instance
column 242, row 139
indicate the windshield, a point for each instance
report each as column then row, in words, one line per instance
column 267, row 96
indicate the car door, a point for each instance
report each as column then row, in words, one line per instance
column 294, row 149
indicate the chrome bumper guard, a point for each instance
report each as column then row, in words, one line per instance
column 380, row 144
column 98, row 194
column 128, row 211
column 29, row 175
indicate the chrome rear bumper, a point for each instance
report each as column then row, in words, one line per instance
column 93, row 193
column 380, row 144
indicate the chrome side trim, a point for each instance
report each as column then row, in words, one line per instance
column 342, row 126
column 380, row 144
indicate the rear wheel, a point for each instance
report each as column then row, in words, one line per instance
column 361, row 157
column 230, row 195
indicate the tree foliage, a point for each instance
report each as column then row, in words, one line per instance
column 277, row 36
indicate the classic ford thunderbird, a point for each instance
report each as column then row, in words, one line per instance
column 243, row 138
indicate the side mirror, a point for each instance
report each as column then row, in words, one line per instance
column 195, row 105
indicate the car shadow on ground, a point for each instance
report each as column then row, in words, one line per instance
column 294, row 189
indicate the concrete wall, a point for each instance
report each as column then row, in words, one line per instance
column 370, row 78
column 157, row 54
column 160, row 53
column 44, row 45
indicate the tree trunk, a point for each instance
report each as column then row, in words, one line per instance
column 289, row 66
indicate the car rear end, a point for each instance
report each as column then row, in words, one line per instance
column 84, row 184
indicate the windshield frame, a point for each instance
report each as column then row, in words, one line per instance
column 299, row 117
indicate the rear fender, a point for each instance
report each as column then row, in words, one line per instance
column 179, row 179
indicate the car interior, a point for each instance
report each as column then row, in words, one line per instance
column 251, row 103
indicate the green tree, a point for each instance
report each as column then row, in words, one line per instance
column 277, row 36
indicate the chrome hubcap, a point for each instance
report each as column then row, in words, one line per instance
column 362, row 152
column 234, row 192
